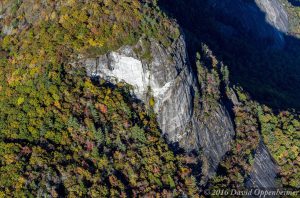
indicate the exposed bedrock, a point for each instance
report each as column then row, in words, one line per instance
column 215, row 135
column 168, row 78
column 258, row 19
column 264, row 170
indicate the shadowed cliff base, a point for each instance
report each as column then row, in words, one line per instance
column 262, row 59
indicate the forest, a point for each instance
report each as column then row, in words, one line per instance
column 271, row 76
column 63, row 134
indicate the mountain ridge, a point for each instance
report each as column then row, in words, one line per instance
column 112, row 98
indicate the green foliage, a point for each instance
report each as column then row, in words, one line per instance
column 92, row 145
column 293, row 9
column 253, row 123
column 281, row 134
column 63, row 135
column 208, row 77
column 237, row 165
column 138, row 134
column 91, row 27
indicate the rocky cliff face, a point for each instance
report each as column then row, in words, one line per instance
column 215, row 134
column 258, row 19
column 168, row 78
column 275, row 14
column 266, row 22
column 264, row 170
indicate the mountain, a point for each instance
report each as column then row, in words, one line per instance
column 105, row 98
column 257, row 40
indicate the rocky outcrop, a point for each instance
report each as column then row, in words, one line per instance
column 275, row 14
column 258, row 19
column 215, row 135
column 168, row 79
column 264, row 170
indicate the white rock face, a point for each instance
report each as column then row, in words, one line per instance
column 169, row 79
column 117, row 67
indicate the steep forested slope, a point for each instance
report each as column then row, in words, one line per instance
column 263, row 59
column 256, row 125
column 63, row 134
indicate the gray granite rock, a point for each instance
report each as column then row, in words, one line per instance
column 215, row 135
column 264, row 170
column 168, row 77
column 275, row 14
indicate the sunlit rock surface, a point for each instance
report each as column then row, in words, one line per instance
column 168, row 78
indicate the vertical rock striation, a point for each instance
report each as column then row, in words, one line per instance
column 275, row 14
column 168, row 78
column 215, row 135
column 264, row 170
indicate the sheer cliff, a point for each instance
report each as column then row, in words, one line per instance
column 255, row 39
column 167, row 83
column 106, row 98
column 264, row 171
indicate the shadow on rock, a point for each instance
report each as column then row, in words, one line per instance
column 261, row 56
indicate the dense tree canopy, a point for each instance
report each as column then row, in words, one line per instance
column 63, row 134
